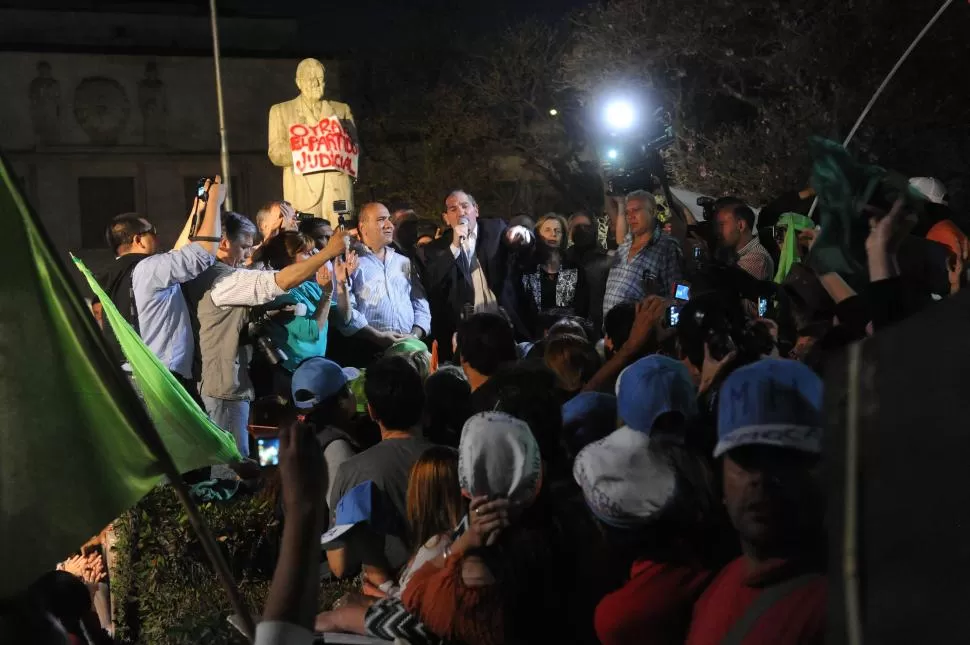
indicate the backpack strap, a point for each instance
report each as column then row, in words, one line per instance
column 768, row 598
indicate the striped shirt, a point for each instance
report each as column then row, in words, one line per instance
column 245, row 288
column 756, row 261
column 658, row 262
column 387, row 295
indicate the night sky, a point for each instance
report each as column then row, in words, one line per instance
column 346, row 23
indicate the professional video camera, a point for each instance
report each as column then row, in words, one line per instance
column 259, row 337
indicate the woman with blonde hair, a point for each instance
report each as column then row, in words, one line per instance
column 551, row 281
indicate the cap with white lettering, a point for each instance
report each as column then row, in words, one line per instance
column 774, row 402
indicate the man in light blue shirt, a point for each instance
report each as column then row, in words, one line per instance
column 385, row 300
column 145, row 284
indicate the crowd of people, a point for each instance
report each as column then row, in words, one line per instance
column 523, row 433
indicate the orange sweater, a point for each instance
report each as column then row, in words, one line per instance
column 452, row 610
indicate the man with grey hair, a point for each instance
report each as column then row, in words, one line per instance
column 648, row 262
column 222, row 297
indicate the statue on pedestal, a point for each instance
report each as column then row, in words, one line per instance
column 315, row 143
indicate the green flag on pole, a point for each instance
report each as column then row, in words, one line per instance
column 192, row 440
column 76, row 446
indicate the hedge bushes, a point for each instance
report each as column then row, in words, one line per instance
column 165, row 591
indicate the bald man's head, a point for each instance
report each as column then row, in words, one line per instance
column 375, row 226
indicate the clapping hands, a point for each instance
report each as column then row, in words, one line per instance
column 343, row 269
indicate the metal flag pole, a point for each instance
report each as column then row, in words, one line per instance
column 223, row 147
column 885, row 81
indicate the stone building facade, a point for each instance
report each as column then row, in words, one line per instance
column 94, row 133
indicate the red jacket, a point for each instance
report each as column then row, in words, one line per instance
column 653, row 607
column 796, row 619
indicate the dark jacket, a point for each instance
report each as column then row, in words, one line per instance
column 449, row 287
column 116, row 281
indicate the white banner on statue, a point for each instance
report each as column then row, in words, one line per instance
column 323, row 147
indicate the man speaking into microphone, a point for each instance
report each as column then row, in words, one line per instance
column 470, row 268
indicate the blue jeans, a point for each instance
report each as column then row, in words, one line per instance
column 233, row 417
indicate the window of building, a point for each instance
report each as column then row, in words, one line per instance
column 101, row 198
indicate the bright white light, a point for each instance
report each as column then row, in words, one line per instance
column 612, row 153
column 619, row 115
column 553, row 112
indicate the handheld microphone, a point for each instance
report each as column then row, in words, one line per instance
column 463, row 221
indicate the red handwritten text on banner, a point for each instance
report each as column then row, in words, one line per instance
column 322, row 147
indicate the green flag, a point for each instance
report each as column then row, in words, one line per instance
column 192, row 440
column 844, row 185
column 76, row 446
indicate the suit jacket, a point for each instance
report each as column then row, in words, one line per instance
column 449, row 287
column 316, row 192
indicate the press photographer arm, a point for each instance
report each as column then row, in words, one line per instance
column 616, row 208
column 207, row 220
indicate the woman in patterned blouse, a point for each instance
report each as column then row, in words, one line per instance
column 551, row 282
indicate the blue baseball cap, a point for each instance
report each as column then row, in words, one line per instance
column 357, row 506
column 588, row 417
column 774, row 402
column 653, row 386
column 317, row 379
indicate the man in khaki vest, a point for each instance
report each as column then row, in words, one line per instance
column 316, row 192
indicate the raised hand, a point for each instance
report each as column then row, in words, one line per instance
column 216, row 190
column 324, row 278
column 650, row 311
column 336, row 246
column 346, row 268
column 301, row 469
column 459, row 233
column 486, row 520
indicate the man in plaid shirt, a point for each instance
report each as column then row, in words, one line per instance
column 735, row 231
column 648, row 262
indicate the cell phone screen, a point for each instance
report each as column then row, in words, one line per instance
column 762, row 307
column 682, row 291
column 269, row 451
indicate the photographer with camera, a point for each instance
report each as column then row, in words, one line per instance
column 145, row 283
column 224, row 295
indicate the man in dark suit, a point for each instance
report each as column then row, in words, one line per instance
column 470, row 268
